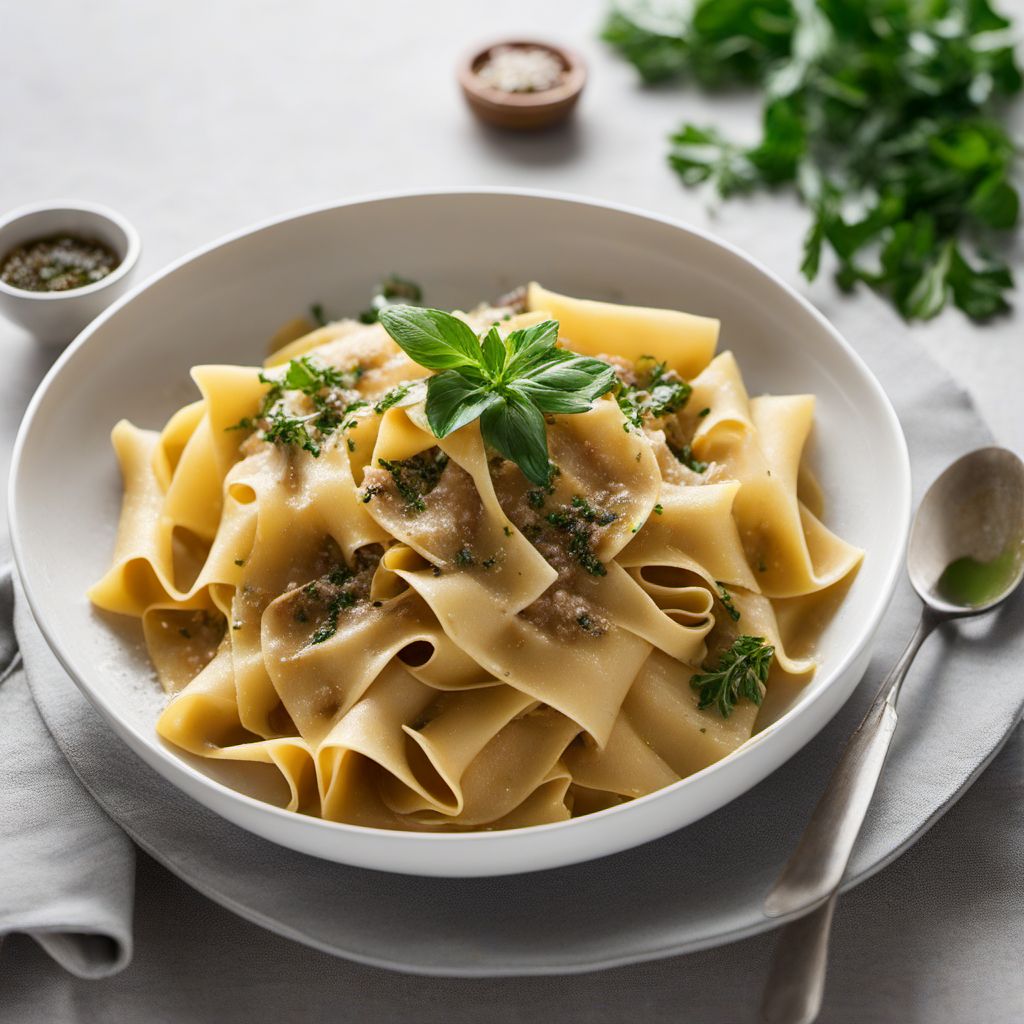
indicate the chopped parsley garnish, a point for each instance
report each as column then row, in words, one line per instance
column 339, row 576
column 535, row 498
column 741, row 672
column 659, row 509
column 464, row 557
column 658, row 392
column 703, row 412
column 239, row 561
column 346, row 599
column 592, row 515
column 684, row 453
column 391, row 398
column 587, row 624
column 290, row 431
column 578, row 520
column 726, row 598
column 393, row 290
column 415, row 477
column 316, row 311
column 330, row 392
column 341, row 588
column 509, row 383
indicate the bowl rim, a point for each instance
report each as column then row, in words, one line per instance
column 133, row 247
column 900, row 499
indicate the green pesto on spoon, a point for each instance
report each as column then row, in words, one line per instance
column 966, row 555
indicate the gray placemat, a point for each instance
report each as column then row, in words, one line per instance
column 699, row 887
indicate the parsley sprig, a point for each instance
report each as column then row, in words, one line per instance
column 415, row 477
column 684, row 454
column 741, row 673
column 887, row 116
column 727, row 603
column 658, row 392
column 578, row 520
column 330, row 392
column 507, row 383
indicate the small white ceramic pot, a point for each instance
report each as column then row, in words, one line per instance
column 54, row 318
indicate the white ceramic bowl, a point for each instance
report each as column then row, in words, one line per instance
column 224, row 302
column 56, row 317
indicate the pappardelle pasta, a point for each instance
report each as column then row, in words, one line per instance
column 568, row 568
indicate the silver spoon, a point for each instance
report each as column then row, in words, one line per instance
column 966, row 555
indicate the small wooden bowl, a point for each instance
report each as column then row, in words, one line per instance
column 522, row 111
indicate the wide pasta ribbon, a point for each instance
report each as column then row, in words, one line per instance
column 507, row 655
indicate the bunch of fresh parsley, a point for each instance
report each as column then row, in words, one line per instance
column 883, row 113
column 508, row 383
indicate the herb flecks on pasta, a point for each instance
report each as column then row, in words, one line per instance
column 654, row 393
column 416, row 477
column 475, row 570
column 305, row 405
column 580, row 522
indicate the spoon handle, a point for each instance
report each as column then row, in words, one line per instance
column 817, row 865
column 796, row 979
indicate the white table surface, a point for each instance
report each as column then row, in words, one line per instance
column 198, row 118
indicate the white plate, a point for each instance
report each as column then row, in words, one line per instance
column 222, row 303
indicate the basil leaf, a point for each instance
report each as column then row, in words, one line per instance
column 432, row 338
column 515, row 428
column 494, row 352
column 551, row 401
column 531, row 343
column 567, row 387
column 453, row 401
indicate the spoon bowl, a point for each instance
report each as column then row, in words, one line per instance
column 966, row 551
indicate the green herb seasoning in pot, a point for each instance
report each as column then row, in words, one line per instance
column 57, row 264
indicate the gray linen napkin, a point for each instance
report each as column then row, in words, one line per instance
column 68, row 876
column 934, row 939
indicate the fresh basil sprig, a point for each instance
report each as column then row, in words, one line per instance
column 508, row 383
